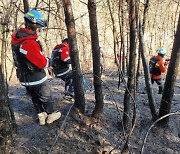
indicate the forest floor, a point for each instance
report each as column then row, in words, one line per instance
column 79, row 134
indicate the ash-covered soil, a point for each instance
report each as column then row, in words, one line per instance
column 80, row 134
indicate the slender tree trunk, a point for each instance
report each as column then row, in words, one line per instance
column 127, row 53
column 114, row 31
column 26, row 6
column 145, row 64
column 96, row 59
column 46, row 32
column 121, row 60
column 139, row 56
column 132, row 59
column 74, row 54
column 147, row 76
column 168, row 92
column 146, row 8
column 138, row 69
column 123, row 39
column 37, row 2
column 3, row 49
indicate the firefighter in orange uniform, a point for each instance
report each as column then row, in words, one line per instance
column 157, row 66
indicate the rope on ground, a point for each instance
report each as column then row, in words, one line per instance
column 167, row 115
column 58, row 132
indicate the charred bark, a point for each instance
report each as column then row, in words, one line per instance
column 147, row 76
column 168, row 92
column 96, row 59
column 145, row 64
column 131, row 70
column 7, row 122
column 74, row 54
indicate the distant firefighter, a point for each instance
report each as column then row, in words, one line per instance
column 157, row 66
column 61, row 61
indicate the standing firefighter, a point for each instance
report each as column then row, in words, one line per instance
column 156, row 67
column 30, row 64
column 61, row 66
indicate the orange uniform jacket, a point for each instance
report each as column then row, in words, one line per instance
column 160, row 65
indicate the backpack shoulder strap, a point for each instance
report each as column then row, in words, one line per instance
column 152, row 64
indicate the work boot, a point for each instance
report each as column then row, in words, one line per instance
column 68, row 95
column 42, row 118
column 53, row 117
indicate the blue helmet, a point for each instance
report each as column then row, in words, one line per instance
column 161, row 51
column 35, row 17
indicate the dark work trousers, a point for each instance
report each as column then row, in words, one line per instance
column 41, row 97
column 67, row 78
column 159, row 83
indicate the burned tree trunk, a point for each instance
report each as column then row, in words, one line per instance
column 131, row 69
column 168, row 92
column 6, row 117
column 145, row 64
column 77, row 74
column 147, row 76
column 114, row 31
column 96, row 59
